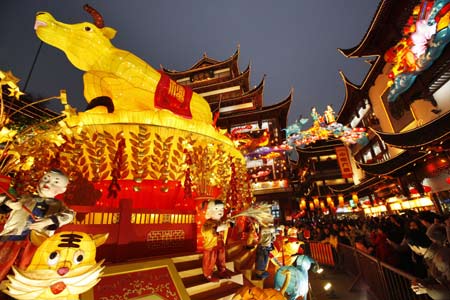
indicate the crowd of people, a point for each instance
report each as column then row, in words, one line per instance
column 414, row 242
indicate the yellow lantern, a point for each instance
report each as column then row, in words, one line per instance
column 322, row 205
column 355, row 198
column 329, row 200
column 316, row 202
column 341, row 200
column 302, row 203
column 311, row 206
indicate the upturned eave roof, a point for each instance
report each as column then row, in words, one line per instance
column 206, row 63
column 279, row 110
column 397, row 165
column 384, row 29
column 434, row 131
column 243, row 80
column 367, row 183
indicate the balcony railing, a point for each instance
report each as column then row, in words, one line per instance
column 383, row 281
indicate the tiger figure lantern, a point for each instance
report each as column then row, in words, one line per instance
column 63, row 267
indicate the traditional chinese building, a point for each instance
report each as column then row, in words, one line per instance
column 404, row 100
column 322, row 167
column 255, row 128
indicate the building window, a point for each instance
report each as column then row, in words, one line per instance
column 367, row 156
column 275, row 210
column 376, row 148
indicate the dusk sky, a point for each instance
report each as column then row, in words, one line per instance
column 294, row 42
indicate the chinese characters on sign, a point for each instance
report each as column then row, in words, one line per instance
column 344, row 162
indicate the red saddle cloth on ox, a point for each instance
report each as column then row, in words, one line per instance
column 174, row 97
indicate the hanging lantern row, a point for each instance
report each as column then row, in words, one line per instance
column 317, row 203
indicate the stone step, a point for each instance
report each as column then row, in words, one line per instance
column 189, row 268
column 233, row 248
column 245, row 260
column 197, row 270
column 225, row 291
column 196, row 284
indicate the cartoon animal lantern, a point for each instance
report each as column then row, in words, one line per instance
column 63, row 267
column 116, row 78
column 296, row 278
column 257, row 293
column 285, row 251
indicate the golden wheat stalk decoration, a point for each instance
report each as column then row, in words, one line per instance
column 95, row 149
column 140, row 153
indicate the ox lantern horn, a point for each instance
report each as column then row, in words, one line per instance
column 98, row 19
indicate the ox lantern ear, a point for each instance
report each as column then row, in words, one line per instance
column 109, row 32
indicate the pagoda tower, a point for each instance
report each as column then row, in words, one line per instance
column 255, row 128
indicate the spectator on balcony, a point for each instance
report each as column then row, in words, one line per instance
column 418, row 268
column 437, row 258
column 431, row 221
column 342, row 238
column 396, row 231
column 361, row 245
column 396, row 239
column 437, row 234
column 383, row 250
column 330, row 237
column 354, row 231
column 318, row 234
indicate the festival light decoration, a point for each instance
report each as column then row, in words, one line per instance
column 425, row 36
column 19, row 143
column 316, row 201
column 355, row 198
column 302, row 203
column 322, row 205
column 323, row 128
column 341, row 200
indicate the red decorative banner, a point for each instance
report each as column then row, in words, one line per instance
column 136, row 285
column 344, row 162
column 174, row 97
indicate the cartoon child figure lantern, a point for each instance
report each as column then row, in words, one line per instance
column 213, row 246
column 42, row 213
column 263, row 251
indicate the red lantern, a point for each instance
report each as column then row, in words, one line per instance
column 447, row 180
column 426, row 189
column 413, row 191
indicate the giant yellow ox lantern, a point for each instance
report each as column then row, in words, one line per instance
column 156, row 136
column 119, row 75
